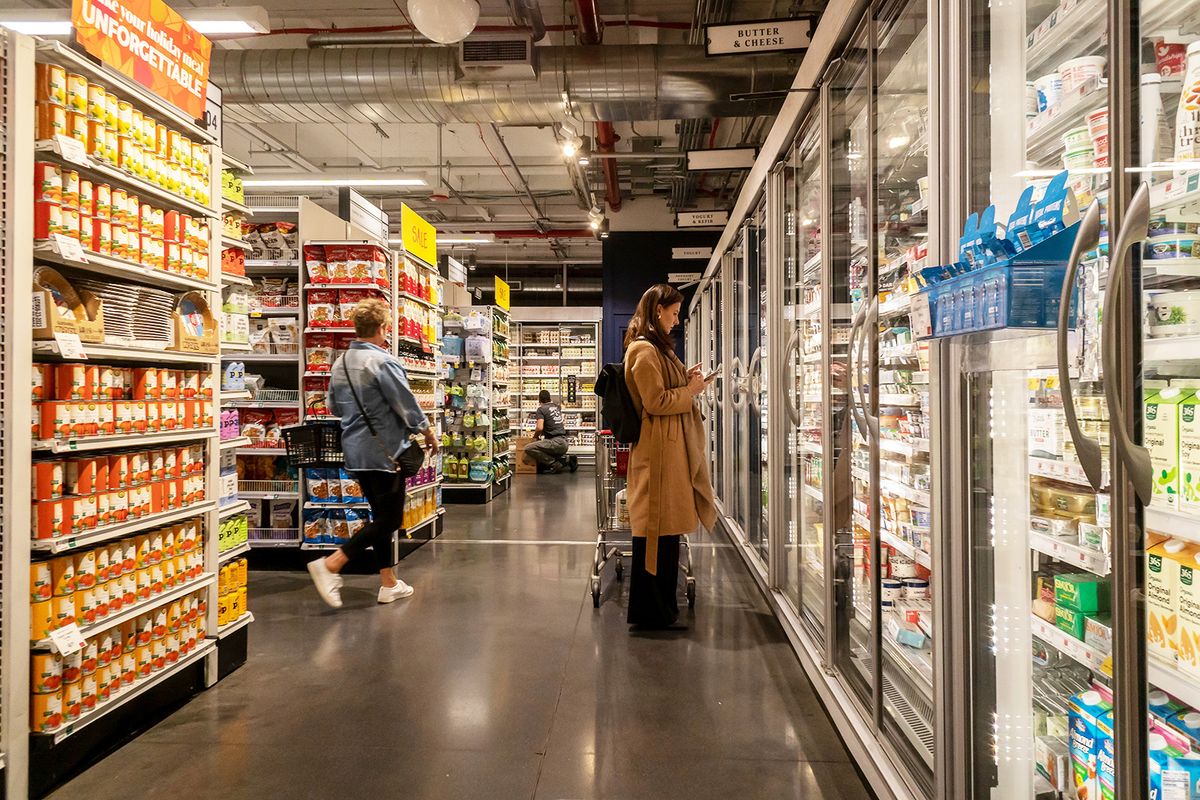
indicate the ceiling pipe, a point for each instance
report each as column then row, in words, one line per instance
column 493, row 141
column 424, row 85
column 527, row 14
column 361, row 38
column 591, row 31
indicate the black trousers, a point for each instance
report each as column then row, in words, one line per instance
column 653, row 599
column 385, row 493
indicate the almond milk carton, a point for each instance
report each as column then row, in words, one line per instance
column 1188, row 633
column 1160, row 431
column 1189, row 454
column 1162, row 597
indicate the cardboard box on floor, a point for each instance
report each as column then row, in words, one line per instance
column 525, row 467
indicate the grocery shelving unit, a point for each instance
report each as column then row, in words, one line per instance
column 488, row 379
column 34, row 762
column 557, row 349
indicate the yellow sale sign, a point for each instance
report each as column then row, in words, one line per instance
column 419, row 237
column 502, row 297
column 147, row 41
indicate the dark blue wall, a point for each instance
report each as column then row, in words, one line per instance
column 635, row 261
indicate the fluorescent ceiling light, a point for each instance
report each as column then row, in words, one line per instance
column 261, row 183
column 36, row 22
column 228, row 19
column 216, row 20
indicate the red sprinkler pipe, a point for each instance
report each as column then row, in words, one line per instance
column 591, row 31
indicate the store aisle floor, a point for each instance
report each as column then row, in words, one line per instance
column 498, row 680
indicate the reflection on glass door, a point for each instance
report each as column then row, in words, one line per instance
column 1161, row 226
column 804, row 383
column 846, row 279
column 720, row 392
column 901, row 158
column 757, row 374
column 739, row 356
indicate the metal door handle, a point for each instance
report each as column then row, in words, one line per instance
column 789, row 395
column 851, row 391
column 1135, row 457
column 872, row 421
column 754, row 374
column 1088, row 450
column 737, row 390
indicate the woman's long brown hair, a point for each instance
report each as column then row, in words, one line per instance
column 645, row 319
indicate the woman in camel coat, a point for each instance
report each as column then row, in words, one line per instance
column 669, row 491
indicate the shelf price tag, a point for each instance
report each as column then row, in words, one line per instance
column 67, row 640
column 69, row 345
column 71, row 150
column 68, row 247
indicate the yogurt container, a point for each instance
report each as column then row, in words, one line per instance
column 1077, row 139
column 891, row 590
column 1172, row 310
column 1171, row 245
column 1077, row 71
column 1049, row 91
column 916, row 589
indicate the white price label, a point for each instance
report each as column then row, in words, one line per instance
column 67, row 640
column 477, row 374
column 70, row 346
column 39, row 310
column 68, row 247
column 71, row 150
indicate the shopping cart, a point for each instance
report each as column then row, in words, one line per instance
column 614, row 539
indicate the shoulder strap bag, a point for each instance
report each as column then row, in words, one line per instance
column 411, row 459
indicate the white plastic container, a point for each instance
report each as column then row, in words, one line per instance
column 1077, row 71
column 1155, row 138
column 1049, row 91
column 1187, row 117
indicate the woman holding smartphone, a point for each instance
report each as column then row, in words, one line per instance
column 669, row 490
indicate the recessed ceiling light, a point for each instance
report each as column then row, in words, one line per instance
column 352, row 182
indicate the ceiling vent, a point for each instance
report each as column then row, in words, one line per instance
column 497, row 58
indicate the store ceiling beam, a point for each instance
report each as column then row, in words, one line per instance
column 611, row 83
column 277, row 146
column 497, row 148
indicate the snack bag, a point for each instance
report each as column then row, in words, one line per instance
column 337, row 259
column 315, row 404
column 255, row 422
column 314, row 264
column 358, row 263
column 318, row 352
column 354, row 521
column 323, row 308
column 348, row 299
column 379, row 268
column 318, row 486
column 351, row 491
column 316, row 527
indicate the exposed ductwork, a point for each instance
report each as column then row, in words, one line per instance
column 528, row 14
column 591, row 31
column 421, row 84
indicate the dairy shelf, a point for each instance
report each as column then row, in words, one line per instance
column 118, row 440
column 1168, row 677
column 1180, row 524
column 99, row 171
column 203, row 649
column 64, row 544
column 236, row 625
column 1066, row 471
column 137, row 609
column 1069, row 553
column 1044, row 135
column 1067, row 644
column 916, row 554
column 111, row 351
column 113, row 267
column 1171, row 348
column 897, row 488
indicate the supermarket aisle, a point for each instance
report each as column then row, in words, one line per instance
column 498, row 680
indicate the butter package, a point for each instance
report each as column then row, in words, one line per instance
column 1052, row 757
column 1083, row 592
column 1069, row 620
column 1097, row 633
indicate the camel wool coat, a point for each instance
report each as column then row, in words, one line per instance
column 669, row 490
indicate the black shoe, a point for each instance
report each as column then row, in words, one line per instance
column 554, row 470
column 573, row 463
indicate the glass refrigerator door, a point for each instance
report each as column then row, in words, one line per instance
column 804, row 381
column 847, row 301
column 901, row 156
column 1038, row 515
column 757, row 381
column 1162, row 224
column 720, row 390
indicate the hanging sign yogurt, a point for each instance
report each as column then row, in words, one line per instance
column 761, row 36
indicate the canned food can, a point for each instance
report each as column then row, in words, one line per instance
column 51, row 83
column 124, row 117
column 77, row 127
column 48, row 183
column 51, row 120
column 77, row 92
column 96, row 100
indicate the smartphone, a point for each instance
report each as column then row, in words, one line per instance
column 712, row 374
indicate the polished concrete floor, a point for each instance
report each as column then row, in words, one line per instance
column 498, row 680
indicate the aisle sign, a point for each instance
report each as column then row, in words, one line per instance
column 455, row 271
column 502, row 294
column 418, row 236
column 761, row 36
column 147, row 41
column 716, row 218
column 691, row 253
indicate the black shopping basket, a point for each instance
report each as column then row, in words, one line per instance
column 314, row 444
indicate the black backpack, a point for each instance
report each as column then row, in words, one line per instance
column 616, row 405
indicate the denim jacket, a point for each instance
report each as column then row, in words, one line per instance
column 382, row 386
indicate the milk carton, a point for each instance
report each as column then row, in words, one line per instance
column 1160, row 431
column 1086, row 718
column 1188, row 635
column 1189, row 454
column 1160, row 760
column 1162, row 597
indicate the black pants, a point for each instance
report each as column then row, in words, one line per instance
column 385, row 492
column 653, row 601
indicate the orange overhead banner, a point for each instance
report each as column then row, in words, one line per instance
column 147, row 41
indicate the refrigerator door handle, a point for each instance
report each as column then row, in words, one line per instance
column 737, row 390
column 789, row 394
column 871, row 319
column 1087, row 449
column 1135, row 457
column 851, row 388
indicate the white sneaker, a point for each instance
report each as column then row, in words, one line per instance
column 389, row 595
column 328, row 584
